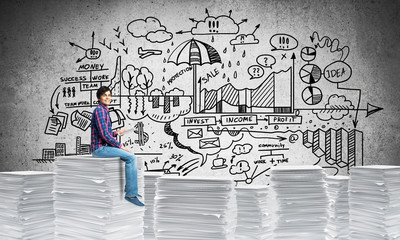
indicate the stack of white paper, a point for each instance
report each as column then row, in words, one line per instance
column 201, row 208
column 253, row 220
column 302, row 202
column 150, row 180
column 338, row 222
column 89, row 200
column 26, row 205
column 375, row 202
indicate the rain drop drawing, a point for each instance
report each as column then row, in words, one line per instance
column 224, row 50
column 235, row 75
column 229, row 64
column 244, row 53
column 238, row 63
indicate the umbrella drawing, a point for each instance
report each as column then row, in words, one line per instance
column 195, row 52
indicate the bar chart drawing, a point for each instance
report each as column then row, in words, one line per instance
column 270, row 96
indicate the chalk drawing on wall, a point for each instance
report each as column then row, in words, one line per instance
column 235, row 112
column 164, row 169
column 56, row 100
column 144, row 53
column 283, row 42
column 310, row 73
column 91, row 53
column 337, row 148
column 141, row 136
column 118, row 45
column 81, row 120
column 189, row 166
column 332, row 44
column 312, row 95
column 272, row 95
column 194, row 52
column 223, row 24
column 219, row 163
column 150, row 28
column 56, row 123
column 336, row 108
column 266, row 60
column 195, row 133
column 308, row 54
column 245, row 39
column 60, row 149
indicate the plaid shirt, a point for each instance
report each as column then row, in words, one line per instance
column 101, row 129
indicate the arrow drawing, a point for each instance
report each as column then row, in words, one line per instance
column 182, row 32
column 58, row 95
column 255, row 29
column 355, row 121
column 243, row 21
column 371, row 109
column 193, row 20
column 76, row 45
column 183, row 165
column 93, row 39
column 292, row 83
column 51, row 100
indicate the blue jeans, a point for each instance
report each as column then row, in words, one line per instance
column 131, row 183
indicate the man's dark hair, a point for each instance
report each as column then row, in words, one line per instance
column 101, row 91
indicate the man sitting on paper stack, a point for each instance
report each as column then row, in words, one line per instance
column 103, row 144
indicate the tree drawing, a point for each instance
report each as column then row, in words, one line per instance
column 145, row 79
column 129, row 78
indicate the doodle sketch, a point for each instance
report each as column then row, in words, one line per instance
column 215, row 98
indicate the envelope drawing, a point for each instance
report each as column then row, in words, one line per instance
column 209, row 143
column 195, row 133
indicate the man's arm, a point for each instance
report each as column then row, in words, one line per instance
column 101, row 121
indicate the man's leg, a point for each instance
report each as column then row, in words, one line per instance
column 131, row 183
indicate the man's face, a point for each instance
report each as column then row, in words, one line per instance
column 105, row 99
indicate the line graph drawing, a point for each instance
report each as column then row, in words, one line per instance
column 270, row 96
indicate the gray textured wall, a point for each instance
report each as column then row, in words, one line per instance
column 36, row 54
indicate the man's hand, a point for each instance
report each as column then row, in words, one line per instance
column 121, row 132
column 124, row 148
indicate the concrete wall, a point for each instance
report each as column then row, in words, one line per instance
column 52, row 51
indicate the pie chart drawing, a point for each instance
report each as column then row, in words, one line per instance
column 310, row 73
column 312, row 95
column 308, row 54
